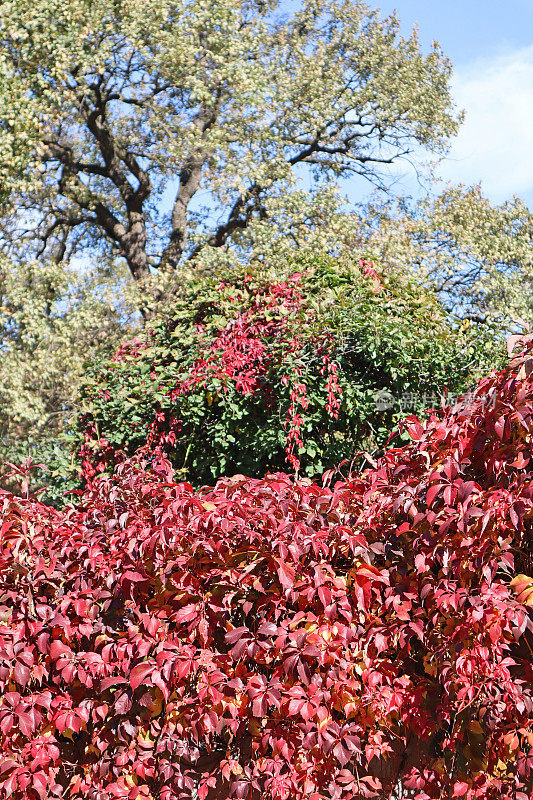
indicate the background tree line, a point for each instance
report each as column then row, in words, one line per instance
column 145, row 148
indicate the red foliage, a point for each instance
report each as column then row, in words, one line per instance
column 278, row 639
column 274, row 328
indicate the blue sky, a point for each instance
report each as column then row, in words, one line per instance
column 490, row 43
column 471, row 29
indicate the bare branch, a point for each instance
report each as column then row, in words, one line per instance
column 63, row 224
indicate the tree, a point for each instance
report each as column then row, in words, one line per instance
column 274, row 638
column 54, row 320
column 477, row 257
column 109, row 108
column 303, row 362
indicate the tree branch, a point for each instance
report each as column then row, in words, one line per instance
column 189, row 182
column 131, row 237
column 61, row 224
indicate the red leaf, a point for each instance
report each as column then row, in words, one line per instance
column 187, row 613
column 123, row 704
column 235, row 635
column 432, row 492
column 286, row 575
column 140, row 673
column 460, row 788
column 499, row 427
column 59, row 648
column 133, row 577
column 41, row 784
column 21, row 673
column 112, row 681
column 26, row 723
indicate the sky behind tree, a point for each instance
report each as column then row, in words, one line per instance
column 468, row 29
column 491, row 46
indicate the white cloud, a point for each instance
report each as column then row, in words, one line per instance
column 495, row 143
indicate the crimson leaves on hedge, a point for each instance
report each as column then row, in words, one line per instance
column 275, row 638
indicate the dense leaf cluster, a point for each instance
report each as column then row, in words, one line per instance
column 277, row 638
column 305, row 365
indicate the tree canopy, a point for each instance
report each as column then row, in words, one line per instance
column 112, row 111
column 477, row 256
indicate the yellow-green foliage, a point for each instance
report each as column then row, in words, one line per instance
column 476, row 255
column 54, row 321
column 106, row 105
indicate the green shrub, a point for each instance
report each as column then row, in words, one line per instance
column 307, row 364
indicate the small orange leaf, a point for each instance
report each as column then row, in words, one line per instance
column 522, row 586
